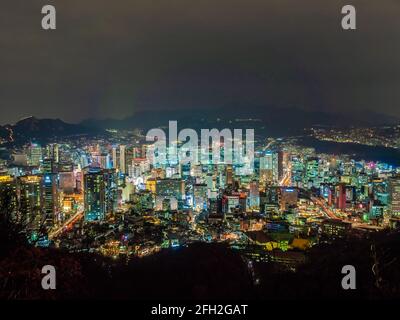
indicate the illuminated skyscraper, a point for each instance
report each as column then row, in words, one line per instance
column 312, row 172
column 111, row 190
column 129, row 157
column 50, row 193
column 170, row 187
column 297, row 172
column 266, row 173
column 100, row 193
column 340, row 196
column 66, row 178
column 94, row 194
column 288, row 198
column 34, row 154
column 229, row 175
column 48, row 166
column 31, row 199
column 185, row 170
column 8, row 193
column 52, row 152
column 394, row 195
column 67, row 182
column 122, row 159
column 116, row 157
column 200, row 197
column 254, row 196
column 271, row 167
column 174, row 189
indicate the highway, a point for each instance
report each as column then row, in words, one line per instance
column 321, row 203
column 287, row 177
column 66, row 225
column 355, row 225
column 268, row 145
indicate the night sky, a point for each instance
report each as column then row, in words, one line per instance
column 112, row 58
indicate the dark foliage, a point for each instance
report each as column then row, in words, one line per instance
column 200, row 271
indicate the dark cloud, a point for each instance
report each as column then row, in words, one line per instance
column 111, row 58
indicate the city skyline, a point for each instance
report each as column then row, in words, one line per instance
column 200, row 152
column 106, row 197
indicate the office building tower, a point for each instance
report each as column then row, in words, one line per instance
column 312, row 172
column 94, row 194
column 340, row 196
column 8, row 194
column 100, row 193
column 122, row 159
column 52, row 152
column 288, row 198
column 200, row 197
column 271, row 167
column 49, row 166
column 394, row 195
column 116, row 157
column 254, row 196
column 34, row 155
column 229, row 175
column 51, row 201
column 31, row 201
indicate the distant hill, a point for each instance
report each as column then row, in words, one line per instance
column 31, row 128
column 265, row 119
column 4, row 133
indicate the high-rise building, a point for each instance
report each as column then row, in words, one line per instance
column 102, row 160
column 111, row 190
column 312, row 172
column 100, row 193
column 297, row 171
column 8, row 194
column 271, row 167
column 200, row 197
column 174, row 189
column 278, row 166
column 48, row 166
column 51, row 201
column 170, row 187
column 31, row 200
column 185, row 170
column 288, row 198
column 94, row 194
column 340, row 196
column 52, row 152
column 266, row 171
column 66, row 178
column 230, row 204
column 34, row 154
column 20, row 159
column 394, row 195
column 122, row 159
column 116, row 157
column 229, row 175
column 254, row 195
column 129, row 156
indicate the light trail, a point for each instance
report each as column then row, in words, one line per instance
column 66, row 225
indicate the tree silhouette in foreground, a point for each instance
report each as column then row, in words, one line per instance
column 200, row 271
